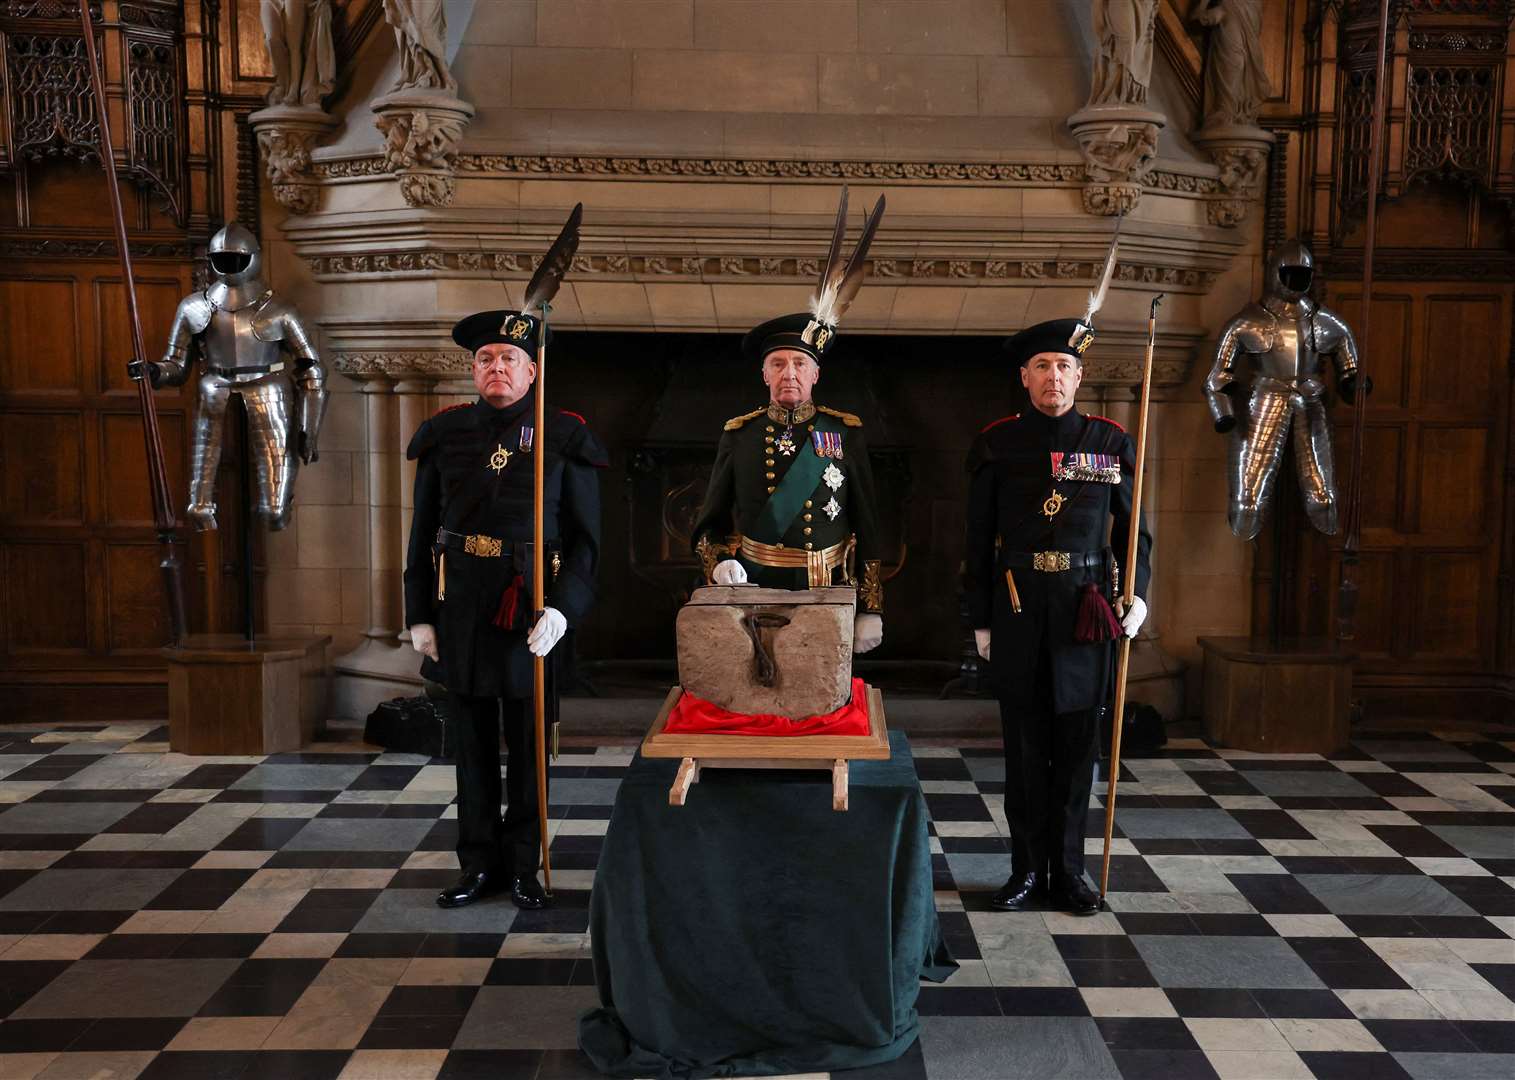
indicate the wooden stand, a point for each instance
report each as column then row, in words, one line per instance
column 1289, row 697
column 829, row 752
column 230, row 696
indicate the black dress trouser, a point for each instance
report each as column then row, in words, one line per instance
column 1049, row 772
column 510, row 845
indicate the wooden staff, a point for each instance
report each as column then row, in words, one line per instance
column 165, row 522
column 539, row 590
column 1346, row 595
column 539, row 293
column 1128, row 594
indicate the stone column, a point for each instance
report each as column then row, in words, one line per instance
column 415, row 405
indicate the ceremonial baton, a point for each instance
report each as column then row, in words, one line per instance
column 539, row 293
column 1128, row 594
column 164, row 522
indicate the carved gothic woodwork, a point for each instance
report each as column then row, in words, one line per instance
column 1448, row 68
column 49, row 108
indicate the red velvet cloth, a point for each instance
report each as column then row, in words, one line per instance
column 695, row 716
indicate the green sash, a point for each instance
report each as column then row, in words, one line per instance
column 783, row 506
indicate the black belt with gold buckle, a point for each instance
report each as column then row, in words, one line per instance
column 1050, row 562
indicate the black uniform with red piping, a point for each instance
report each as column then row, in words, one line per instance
column 468, row 574
column 1050, row 660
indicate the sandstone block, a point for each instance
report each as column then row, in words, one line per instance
column 807, row 636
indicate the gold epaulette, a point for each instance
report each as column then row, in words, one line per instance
column 737, row 421
column 850, row 419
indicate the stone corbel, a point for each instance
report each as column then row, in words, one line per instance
column 1119, row 145
column 421, row 129
column 1241, row 154
column 286, row 135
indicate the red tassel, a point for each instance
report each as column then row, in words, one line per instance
column 1096, row 618
column 510, row 601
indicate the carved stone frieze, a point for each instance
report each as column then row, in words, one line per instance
column 1014, row 173
column 617, row 264
column 402, row 364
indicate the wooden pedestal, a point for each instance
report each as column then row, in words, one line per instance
column 228, row 696
column 1293, row 697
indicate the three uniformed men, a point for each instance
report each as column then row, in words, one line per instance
column 468, row 589
column 1046, row 486
column 790, row 504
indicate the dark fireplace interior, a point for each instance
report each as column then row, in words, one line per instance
column 658, row 401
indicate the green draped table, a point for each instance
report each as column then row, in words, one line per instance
column 756, row 931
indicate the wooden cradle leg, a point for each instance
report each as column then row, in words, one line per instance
column 688, row 774
column 839, row 784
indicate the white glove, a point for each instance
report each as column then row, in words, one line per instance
column 728, row 572
column 1132, row 620
column 423, row 639
column 867, row 633
column 547, row 632
column 981, row 639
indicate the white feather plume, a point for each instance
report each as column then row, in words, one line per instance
column 1097, row 297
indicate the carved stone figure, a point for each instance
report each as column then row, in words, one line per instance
column 298, row 33
column 1124, row 31
column 421, row 36
column 1236, row 82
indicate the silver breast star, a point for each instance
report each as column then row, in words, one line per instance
column 833, row 476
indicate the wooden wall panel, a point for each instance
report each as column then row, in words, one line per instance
column 42, row 480
column 157, row 300
column 1379, row 601
column 1388, row 355
column 1453, row 481
column 123, row 465
column 1447, row 611
column 136, row 621
column 46, row 598
column 39, row 335
column 1454, row 324
column 1382, row 473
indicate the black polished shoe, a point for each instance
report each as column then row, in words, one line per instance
column 1016, row 894
column 470, row 887
column 526, row 893
column 1074, row 896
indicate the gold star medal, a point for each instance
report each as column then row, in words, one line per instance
column 499, row 459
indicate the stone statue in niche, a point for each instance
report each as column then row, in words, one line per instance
column 1236, row 82
column 298, row 34
column 421, row 37
column 1124, row 31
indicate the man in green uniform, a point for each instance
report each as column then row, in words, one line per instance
column 791, row 503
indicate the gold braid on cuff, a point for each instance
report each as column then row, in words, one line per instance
column 871, row 590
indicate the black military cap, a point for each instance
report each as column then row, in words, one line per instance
column 1070, row 336
column 798, row 331
column 499, row 328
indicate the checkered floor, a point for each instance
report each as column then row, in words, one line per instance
column 1273, row 917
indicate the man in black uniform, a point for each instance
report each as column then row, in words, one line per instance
column 791, row 503
column 1046, row 485
column 468, row 589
